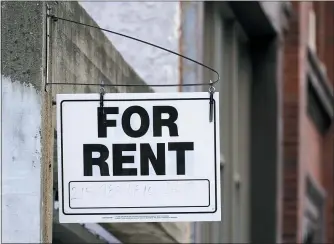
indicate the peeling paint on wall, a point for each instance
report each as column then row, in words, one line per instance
column 155, row 22
column 21, row 167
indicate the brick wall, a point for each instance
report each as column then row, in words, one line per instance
column 325, row 47
column 305, row 141
column 328, row 181
column 325, row 35
column 291, row 125
column 307, row 153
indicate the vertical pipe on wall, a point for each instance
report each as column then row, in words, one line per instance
column 46, row 138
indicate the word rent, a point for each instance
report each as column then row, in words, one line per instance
column 147, row 155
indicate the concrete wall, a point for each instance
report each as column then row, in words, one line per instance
column 155, row 22
column 81, row 54
column 21, row 74
column 21, row 162
column 191, row 45
column 78, row 54
column 173, row 25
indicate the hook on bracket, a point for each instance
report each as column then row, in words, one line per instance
column 102, row 92
column 211, row 102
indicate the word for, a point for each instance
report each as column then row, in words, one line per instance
column 158, row 121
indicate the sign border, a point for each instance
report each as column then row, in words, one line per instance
column 128, row 100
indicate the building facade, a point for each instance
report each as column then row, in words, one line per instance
column 244, row 42
column 155, row 22
column 259, row 118
column 276, row 62
column 308, row 124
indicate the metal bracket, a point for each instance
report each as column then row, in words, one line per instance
column 211, row 102
column 57, row 18
column 102, row 92
column 47, row 43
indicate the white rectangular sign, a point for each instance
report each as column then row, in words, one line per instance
column 144, row 157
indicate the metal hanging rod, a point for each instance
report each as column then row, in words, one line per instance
column 211, row 83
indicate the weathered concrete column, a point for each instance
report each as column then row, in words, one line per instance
column 26, row 126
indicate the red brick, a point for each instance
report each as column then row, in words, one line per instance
column 300, row 140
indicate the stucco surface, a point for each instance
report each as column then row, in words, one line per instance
column 155, row 22
column 21, row 30
column 21, row 64
column 21, row 123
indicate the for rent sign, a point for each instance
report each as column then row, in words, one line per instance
column 141, row 158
